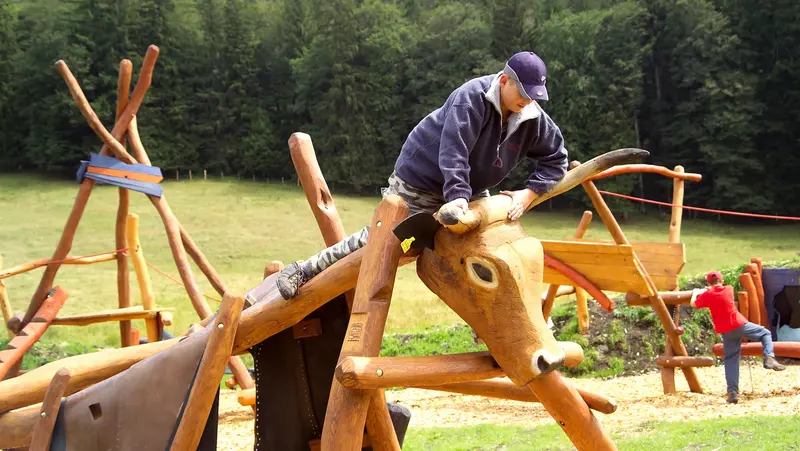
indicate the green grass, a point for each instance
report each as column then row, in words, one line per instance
column 749, row 432
column 241, row 226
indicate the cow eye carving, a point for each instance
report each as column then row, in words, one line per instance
column 482, row 272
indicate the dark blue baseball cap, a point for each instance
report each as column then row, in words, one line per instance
column 530, row 74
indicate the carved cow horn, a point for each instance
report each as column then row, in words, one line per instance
column 482, row 210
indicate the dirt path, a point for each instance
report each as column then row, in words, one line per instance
column 639, row 398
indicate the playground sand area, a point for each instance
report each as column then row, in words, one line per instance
column 640, row 400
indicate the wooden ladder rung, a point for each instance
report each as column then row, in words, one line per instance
column 122, row 314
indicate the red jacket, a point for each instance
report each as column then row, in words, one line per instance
column 719, row 300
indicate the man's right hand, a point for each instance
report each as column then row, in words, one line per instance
column 459, row 203
column 452, row 211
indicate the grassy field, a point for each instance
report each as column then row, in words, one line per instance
column 761, row 433
column 242, row 225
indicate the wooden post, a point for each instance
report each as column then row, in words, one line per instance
column 571, row 412
column 85, row 189
column 190, row 174
column 746, row 281
column 744, row 304
column 209, row 373
column 753, row 270
column 582, row 310
column 347, row 409
column 677, row 207
column 43, row 430
column 123, row 282
column 552, row 291
column 142, row 274
column 205, row 174
column 655, row 301
column 31, row 332
column 5, row 305
column 318, row 195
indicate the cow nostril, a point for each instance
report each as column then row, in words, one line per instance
column 543, row 364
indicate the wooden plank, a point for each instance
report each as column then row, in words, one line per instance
column 43, row 430
column 209, row 373
column 620, row 286
column 585, row 247
column 105, row 316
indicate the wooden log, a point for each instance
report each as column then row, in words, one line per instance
column 746, row 281
column 105, row 316
column 582, row 311
column 202, row 262
column 384, row 372
column 656, row 301
column 571, row 412
column 231, row 382
column 669, row 298
column 17, row 427
column 86, row 370
column 210, row 371
column 20, row 344
column 668, row 373
column 68, row 260
column 744, row 304
column 347, row 409
column 247, row 397
column 632, row 168
column 120, row 238
column 142, row 275
column 553, row 290
column 43, row 430
column 85, row 190
column 752, row 269
column 319, row 197
column 503, row 388
column 380, row 429
column 789, row 349
column 684, row 362
column 677, row 207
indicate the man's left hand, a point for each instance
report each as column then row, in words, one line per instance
column 520, row 200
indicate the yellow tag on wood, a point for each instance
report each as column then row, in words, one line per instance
column 406, row 244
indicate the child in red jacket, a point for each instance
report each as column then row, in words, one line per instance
column 729, row 323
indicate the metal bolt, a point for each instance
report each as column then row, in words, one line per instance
column 44, row 414
column 379, row 224
column 220, row 326
column 379, row 372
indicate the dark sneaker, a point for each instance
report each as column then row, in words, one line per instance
column 733, row 397
column 290, row 279
column 771, row 364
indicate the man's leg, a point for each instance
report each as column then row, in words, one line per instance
column 731, row 346
column 756, row 332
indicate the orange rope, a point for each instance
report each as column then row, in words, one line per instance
column 178, row 282
column 708, row 210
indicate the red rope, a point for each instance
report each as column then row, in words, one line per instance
column 708, row 210
column 178, row 282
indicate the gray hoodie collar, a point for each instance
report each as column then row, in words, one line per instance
column 532, row 111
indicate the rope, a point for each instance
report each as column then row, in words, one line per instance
column 708, row 210
column 178, row 282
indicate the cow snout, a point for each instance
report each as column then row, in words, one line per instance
column 544, row 362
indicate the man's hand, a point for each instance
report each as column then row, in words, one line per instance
column 520, row 200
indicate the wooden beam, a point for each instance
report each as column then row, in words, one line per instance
column 17, row 427
column 209, row 373
column 684, row 362
column 20, row 344
column 5, row 305
column 789, row 349
column 568, row 408
column 503, row 388
column 677, row 207
column 106, row 316
column 633, row 168
column 746, row 281
column 142, row 274
column 43, row 430
column 86, row 370
column 120, row 239
column 669, row 297
column 345, row 418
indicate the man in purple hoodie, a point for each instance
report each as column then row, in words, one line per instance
column 468, row 145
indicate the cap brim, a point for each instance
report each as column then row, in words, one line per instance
column 535, row 92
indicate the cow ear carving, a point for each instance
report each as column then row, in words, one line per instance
column 482, row 272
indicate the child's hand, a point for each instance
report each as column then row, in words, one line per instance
column 519, row 202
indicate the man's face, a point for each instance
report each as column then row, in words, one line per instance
column 509, row 95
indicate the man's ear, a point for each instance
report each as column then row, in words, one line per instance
column 503, row 79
